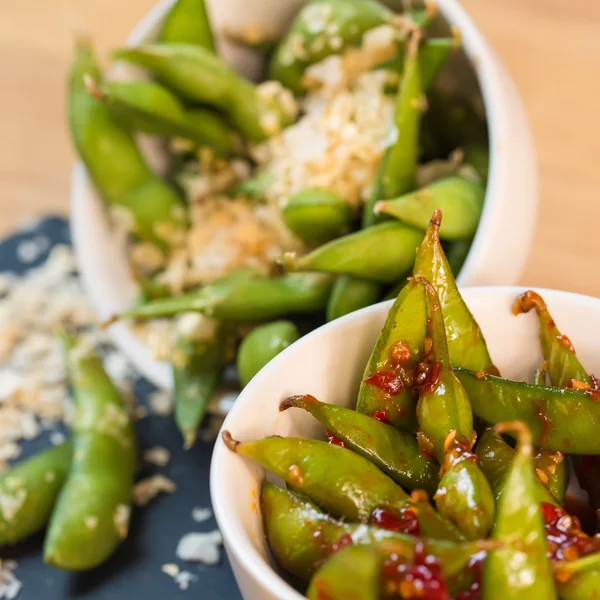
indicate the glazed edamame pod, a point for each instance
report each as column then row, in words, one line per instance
column 494, row 457
column 188, row 23
column 343, row 483
column 459, row 198
column 386, row 388
column 244, row 296
column 562, row 420
column 29, row 491
column 197, row 370
column 323, row 28
column 466, row 343
column 198, row 76
column 381, row 253
column 579, row 579
column 149, row 107
column 394, row 452
column 353, row 572
column 349, row 294
column 263, row 344
column 519, row 568
column 292, row 524
column 551, row 469
column 445, row 421
column 91, row 516
column 317, row 215
column 114, row 162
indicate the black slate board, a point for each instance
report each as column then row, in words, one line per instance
column 134, row 571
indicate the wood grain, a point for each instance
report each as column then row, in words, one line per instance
column 551, row 47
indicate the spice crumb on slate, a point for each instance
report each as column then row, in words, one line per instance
column 10, row 586
column 147, row 489
column 200, row 515
column 200, row 547
column 158, row 456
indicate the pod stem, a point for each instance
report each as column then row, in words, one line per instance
column 528, row 300
column 299, row 401
column 229, row 441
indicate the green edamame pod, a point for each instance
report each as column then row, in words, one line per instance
column 543, row 410
column 350, row 294
column 381, row 253
column 394, row 452
column 552, row 471
column 466, row 343
column 292, row 524
column 29, row 491
column 149, row 107
column 478, row 156
column 579, row 579
column 386, row 388
column 197, row 370
column 353, row 572
column 199, row 76
column 456, row 255
column 342, row 482
column 323, row 28
column 91, row 516
column 263, row 344
column 459, row 198
column 188, row 23
column 244, row 296
column 317, row 215
column 495, row 457
column 519, row 570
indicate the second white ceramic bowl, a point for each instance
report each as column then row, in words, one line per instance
column 505, row 231
column 328, row 363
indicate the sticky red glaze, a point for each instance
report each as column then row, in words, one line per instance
column 334, row 440
column 431, row 373
column 595, row 381
column 551, row 323
column 421, row 580
column 475, row 570
column 387, row 381
column 545, row 423
column 345, row 540
column 381, row 415
column 564, row 536
column 404, row 521
column 324, row 590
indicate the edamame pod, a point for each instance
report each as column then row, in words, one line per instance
column 149, row 107
column 459, row 198
column 381, row 253
column 91, row 516
column 317, row 215
column 263, row 344
column 29, row 491
column 579, row 579
column 188, row 23
column 394, row 452
column 198, row 76
column 350, row 294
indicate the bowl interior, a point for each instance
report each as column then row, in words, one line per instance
column 328, row 363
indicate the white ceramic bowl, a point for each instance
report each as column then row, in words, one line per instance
column 501, row 244
column 328, row 363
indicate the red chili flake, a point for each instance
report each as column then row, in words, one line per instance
column 388, row 382
column 595, row 381
column 593, row 394
column 381, row 415
column 401, row 353
column 551, row 323
column 430, row 374
column 475, row 570
column 345, row 540
column 564, row 537
column 334, row 440
column 403, row 521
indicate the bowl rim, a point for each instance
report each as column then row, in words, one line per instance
column 236, row 540
column 489, row 73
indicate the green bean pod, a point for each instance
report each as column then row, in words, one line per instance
column 459, row 198
column 561, row 420
column 244, row 296
column 519, row 570
column 466, row 343
column 114, row 162
column 353, row 572
column 310, row 39
column 382, row 253
column 263, row 344
column 188, row 23
column 197, row 75
column 317, row 215
column 292, row 524
column 386, row 388
column 149, row 107
column 91, row 516
column 29, row 491
column 197, row 371
column 340, row 481
column 349, row 294
column 394, row 452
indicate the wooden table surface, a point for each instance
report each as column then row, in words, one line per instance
column 551, row 47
